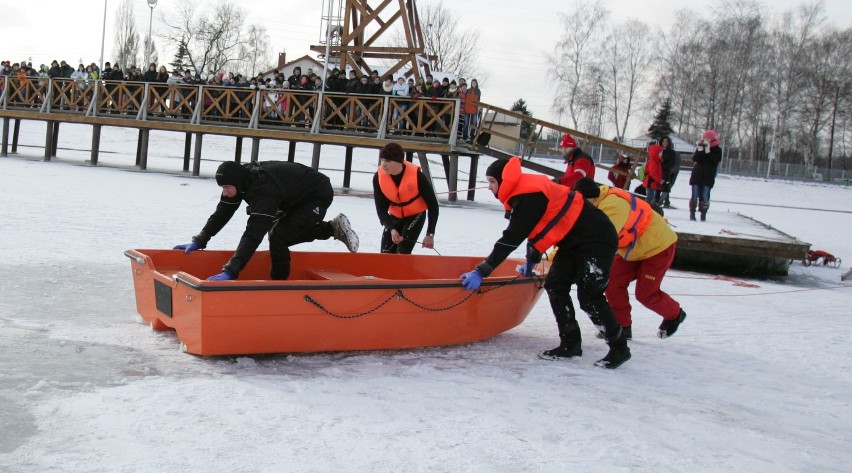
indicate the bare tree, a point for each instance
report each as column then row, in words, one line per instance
column 455, row 50
column 789, row 41
column 627, row 54
column 574, row 57
column 255, row 52
column 213, row 37
column 126, row 47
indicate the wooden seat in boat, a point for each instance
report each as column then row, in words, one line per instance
column 330, row 275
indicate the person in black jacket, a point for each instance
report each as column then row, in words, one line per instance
column 287, row 201
column 545, row 214
column 706, row 161
column 404, row 199
column 671, row 168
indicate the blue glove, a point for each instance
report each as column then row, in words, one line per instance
column 187, row 247
column 526, row 269
column 223, row 276
column 471, row 280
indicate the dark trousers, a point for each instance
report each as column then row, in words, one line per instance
column 409, row 230
column 299, row 225
column 590, row 272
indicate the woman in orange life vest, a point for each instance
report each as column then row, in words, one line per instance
column 646, row 249
column 547, row 214
column 404, row 197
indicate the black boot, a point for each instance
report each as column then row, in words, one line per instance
column 618, row 352
column 570, row 344
column 692, row 205
column 669, row 327
column 702, row 207
column 628, row 333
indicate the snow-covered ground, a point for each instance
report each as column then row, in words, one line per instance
column 757, row 379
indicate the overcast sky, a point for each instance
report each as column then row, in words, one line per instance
column 515, row 36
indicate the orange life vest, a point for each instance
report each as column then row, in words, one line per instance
column 637, row 220
column 563, row 204
column 405, row 200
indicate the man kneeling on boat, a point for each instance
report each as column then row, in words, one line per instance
column 548, row 214
column 287, row 201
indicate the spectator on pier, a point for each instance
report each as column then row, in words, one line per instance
column 470, row 110
column 162, row 75
column 405, row 202
column 295, row 78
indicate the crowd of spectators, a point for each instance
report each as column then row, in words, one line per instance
column 366, row 84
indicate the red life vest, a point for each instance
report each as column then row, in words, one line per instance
column 637, row 220
column 563, row 204
column 405, row 200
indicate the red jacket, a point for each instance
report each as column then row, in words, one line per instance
column 580, row 165
column 654, row 169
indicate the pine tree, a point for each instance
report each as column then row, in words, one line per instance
column 520, row 106
column 661, row 126
column 177, row 63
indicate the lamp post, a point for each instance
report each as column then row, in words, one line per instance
column 152, row 4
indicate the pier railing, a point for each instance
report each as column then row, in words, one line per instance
column 378, row 116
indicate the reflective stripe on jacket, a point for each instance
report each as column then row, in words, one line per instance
column 655, row 238
column 637, row 220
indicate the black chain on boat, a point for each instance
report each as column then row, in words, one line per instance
column 401, row 295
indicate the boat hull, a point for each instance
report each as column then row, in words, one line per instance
column 333, row 301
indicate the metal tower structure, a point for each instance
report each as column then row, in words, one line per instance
column 355, row 34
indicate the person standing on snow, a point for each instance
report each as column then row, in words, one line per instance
column 671, row 168
column 580, row 164
column 547, row 214
column 623, row 165
column 404, row 198
column 706, row 161
column 287, row 201
column 653, row 181
column 646, row 249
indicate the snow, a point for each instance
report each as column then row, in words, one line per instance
column 756, row 379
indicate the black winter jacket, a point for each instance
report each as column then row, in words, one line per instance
column 592, row 233
column 272, row 186
column 705, row 166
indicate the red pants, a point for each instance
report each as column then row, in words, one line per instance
column 648, row 274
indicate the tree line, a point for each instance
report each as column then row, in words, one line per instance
column 775, row 85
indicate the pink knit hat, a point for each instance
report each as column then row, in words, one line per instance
column 712, row 137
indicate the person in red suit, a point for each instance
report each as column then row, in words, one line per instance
column 580, row 164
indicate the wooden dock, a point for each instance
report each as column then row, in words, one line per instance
column 733, row 243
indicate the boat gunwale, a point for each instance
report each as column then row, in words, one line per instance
column 224, row 286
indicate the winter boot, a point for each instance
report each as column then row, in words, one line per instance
column 618, row 352
column 669, row 327
column 628, row 332
column 702, row 207
column 570, row 344
column 692, row 205
column 343, row 232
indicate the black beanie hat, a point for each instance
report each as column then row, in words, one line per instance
column 495, row 169
column 588, row 188
column 231, row 173
column 392, row 152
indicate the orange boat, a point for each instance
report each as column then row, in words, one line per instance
column 333, row 301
